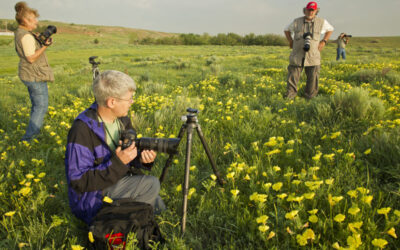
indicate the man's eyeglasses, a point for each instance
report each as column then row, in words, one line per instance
column 127, row 100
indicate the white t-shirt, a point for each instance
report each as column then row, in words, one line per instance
column 325, row 27
column 28, row 44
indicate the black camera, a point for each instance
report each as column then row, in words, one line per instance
column 46, row 34
column 348, row 36
column 307, row 40
column 92, row 60
column 162, row 145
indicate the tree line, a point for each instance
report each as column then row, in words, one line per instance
column 219, row 39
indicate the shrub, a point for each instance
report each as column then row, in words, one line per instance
column 365, row 75
column 357, row 104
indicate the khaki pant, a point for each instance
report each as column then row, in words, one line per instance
column 294, row 73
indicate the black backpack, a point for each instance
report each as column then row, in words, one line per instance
column 114, row 221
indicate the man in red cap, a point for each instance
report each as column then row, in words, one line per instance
column 306, row 47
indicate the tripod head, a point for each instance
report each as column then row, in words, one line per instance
column 93, row 62
column 191, row 117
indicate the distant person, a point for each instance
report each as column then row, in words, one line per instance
column 33, row 70
column 342, row 41
column 96, row 166
column 306, row 47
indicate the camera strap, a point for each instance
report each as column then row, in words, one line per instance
column 311, row 30
column 116, row 144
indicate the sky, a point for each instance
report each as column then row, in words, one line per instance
column 355, row 17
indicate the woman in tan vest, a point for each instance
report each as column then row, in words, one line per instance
column 33, row 69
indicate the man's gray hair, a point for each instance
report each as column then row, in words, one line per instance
column 112, row 83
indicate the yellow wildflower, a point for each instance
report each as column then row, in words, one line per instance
column 329, row 181
column 381, row 243
column 309, row 234
column 355, row 225
column 291, row 214
column 392, row 232
column 178, row 188
column 367, row 152
column 301, row 240
column 335, row 135
column 384, row 210
column 230, row 175
column 276, row 168
column 263, row 228
column 235, row 192
column 309, row 196
column 262, row 219
column 317, row 156
column 339, row 218
column 313, row 218
column 213, row 176
column 267, row 185
column 336, row 245
column 191, row 192
column 10, row 214
column 282, row 196
column 354, row 241
column 368, row 199
column 77, row 247
column 24, row 191
column 352, row 193
column 277, row 186
column 272, row 152
column 363, row 190
column 271, row 235
column 296, row 182
column 29, row 176
column 314, row 211
column 353, row 210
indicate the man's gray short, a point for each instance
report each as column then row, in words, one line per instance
column 143, row 188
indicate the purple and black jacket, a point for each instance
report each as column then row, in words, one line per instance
column 90, row 165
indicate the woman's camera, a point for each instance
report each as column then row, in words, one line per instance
column 46, row 34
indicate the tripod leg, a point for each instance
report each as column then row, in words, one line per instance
column 171, row 156
column 210, row 158
column 185, row 188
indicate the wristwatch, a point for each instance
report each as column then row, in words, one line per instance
column 325, row 41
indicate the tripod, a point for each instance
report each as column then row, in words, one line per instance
column 95, row 69
column 189, row 126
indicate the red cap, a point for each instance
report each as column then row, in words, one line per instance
column 312, row 6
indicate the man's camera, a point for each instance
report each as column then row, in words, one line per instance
column 162, row 145
column 348, row 35
column 307, row 40
column 46, row 34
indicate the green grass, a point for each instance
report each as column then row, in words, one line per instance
column 335, row 152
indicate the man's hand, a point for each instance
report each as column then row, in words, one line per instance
column 289, row 38
column 147, row 156
column 321, row 45
column 128, row 154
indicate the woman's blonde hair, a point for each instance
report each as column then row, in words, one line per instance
column 22, row 10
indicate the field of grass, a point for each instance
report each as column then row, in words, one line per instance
column 323, row 173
